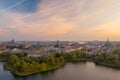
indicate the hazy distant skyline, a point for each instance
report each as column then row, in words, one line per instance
column 60, row 19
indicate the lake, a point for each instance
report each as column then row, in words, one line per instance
column 70, row 71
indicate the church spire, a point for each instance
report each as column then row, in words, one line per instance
column 12, row 40
column 107, row 41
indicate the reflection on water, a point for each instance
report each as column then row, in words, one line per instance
column 71, row 71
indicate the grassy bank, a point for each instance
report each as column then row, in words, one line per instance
column 77, row 60
column 108, row 65
column 22, row 65
column 23, row 74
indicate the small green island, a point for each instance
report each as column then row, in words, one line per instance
column 22, row 65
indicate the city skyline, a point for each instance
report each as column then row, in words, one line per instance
column 60, row 20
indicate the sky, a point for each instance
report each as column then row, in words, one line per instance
column 60, row 20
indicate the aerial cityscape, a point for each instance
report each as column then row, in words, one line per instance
column 59, row 40
column 42, row 48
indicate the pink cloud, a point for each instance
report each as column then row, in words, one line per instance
column 76, row 19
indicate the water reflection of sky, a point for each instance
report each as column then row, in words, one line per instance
column 71, row 71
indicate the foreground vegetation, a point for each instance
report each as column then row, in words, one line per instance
column 22, row 65
column 109, row 60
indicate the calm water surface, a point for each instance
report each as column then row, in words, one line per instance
column 71, row 71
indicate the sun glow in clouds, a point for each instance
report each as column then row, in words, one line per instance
column 59, row 19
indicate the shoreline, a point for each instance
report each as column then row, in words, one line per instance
column 51, row 69
column 32, row 73
column 108, row 65
column 59, row 66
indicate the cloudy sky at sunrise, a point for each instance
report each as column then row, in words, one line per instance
column 59, row 19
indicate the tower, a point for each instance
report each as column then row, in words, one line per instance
column 107, row 41
column 108, row 44
column 12, row 40
column 57, row 44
